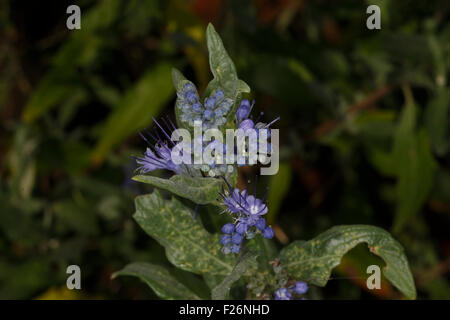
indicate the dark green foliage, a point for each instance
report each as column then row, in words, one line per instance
column 364, row 140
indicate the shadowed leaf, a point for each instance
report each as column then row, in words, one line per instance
column 313, row 260
column 159, row 279
column 188, row 245
column 198, row 190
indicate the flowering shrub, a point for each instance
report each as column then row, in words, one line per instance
column 243, row 253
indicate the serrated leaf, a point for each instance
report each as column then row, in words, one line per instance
column 188, row 245
column 313, row 260
column 245, row 262
column 198, row 190
column 159, row 279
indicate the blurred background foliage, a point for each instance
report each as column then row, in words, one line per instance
column 364, row 130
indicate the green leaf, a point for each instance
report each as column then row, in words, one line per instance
column 266, row 251
column 53, row 89
column 223, row 70
column 177, row 79
column 278, row 187
column 136, row 109
column 436, row 120
column 313, row 260
column 415, row 179
column 213, row 280
column 198, row 190
column 246, row 261
column 188, row 245
column 159, row 279
column 82, row 50
column 414, row 165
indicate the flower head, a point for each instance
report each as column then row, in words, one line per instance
column 247, row 211
column 243, row 110
column 212, row 112
column 300, row 287
column 158, row 153
column 282, row 294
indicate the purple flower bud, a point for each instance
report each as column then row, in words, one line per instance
column 261, row 224
column 241, row 228
column 246, row 124
column 225, row 239
column 191, row 97
column 219, row 112
column 228, row 228
column 235, row 248
column 185, row 107
column 236, row 238
column 243, row 110
column 208, row 114
column 268, row 233
column 197, row 107
column 282, row 294
column 219, row 95
column 210, row 103
column 226, row 250
column 300, row 287
column 188, row 87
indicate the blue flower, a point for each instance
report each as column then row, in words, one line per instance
column 235, row 248
column 282, row 294
column 196, row 107
column 158, row 154
column 247, row 211
column 300, row 287
column 268, row 233
column 219, row 95
column 247, row 124
column 210, row 103
column 236, row 238
column 233, row 201
column 225, row 239
column 208, row 114
column 228, row 228
column 242, row 227
column 261, row 224
column 243, row 110
column 212, row 113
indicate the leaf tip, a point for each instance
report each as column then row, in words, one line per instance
column 137, row 178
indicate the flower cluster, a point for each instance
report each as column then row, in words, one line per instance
column 246, row 123
column 299, row 288
column 212, row 168
column 158, row 153
column 247, row 212
column 212, row 113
